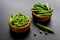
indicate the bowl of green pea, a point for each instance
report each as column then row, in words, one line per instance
column 41, row 12
column 19, row 23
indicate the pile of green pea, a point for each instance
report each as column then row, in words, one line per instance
column 19, row 20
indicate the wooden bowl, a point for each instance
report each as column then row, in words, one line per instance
column 41, row 18
column 21, row 29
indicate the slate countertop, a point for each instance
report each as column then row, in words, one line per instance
column 9, row 7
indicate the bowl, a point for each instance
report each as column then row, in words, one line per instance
column 20, row 29
column 41, row 18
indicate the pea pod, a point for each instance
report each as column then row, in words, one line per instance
column 45, row 28
column 47, row 6
column 42, row 10
column 39, row 5
column 46, row 14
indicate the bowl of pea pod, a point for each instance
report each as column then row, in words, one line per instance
column 19, row 23
column 41, row 12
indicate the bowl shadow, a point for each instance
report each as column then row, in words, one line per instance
column 20, row 36
column 46, row 23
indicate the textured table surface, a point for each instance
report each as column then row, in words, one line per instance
column 9, row 7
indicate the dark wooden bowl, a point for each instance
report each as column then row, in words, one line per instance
column 41, row 18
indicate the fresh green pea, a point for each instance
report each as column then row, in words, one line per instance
column 41, row 31
column 34, row 34
column 19, row 20
column 46, row 33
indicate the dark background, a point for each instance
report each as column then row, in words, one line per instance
column 9, row 7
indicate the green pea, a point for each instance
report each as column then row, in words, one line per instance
column 19, row 20
column 46, row 33
column 34, row 34
column 41, row 31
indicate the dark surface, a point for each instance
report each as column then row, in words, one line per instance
column 9, row 7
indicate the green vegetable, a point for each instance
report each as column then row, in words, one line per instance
column 46, row 14
column 46, row 33
column 34, row 34
column 47, row 6
column 39, row 5
column 41, row 31
column 45, row 28
column 19, row 20
column 42, row 9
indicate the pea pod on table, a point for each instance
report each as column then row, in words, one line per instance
column 45, row 28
